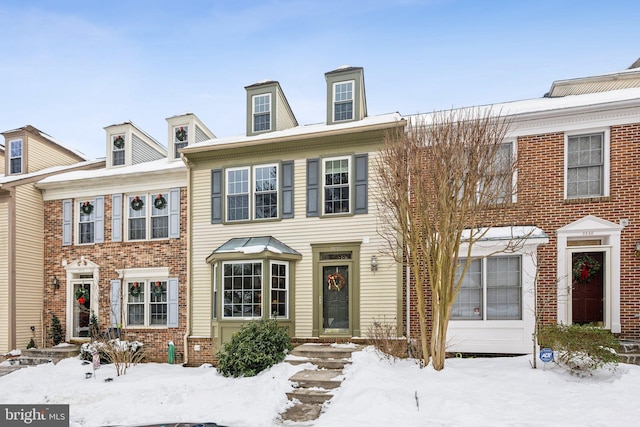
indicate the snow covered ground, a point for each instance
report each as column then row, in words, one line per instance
column 375, row 392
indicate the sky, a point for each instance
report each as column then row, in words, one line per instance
column 474, row 392
column 72, row 67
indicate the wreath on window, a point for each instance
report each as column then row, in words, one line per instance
column 137, row 203
column 86, row 208
column 160, row 202
column 181, row 134
column 157, row 289
column 81, row 295
column 135, row 289
column 336, row 281
column 584, row 268
column 118, row 142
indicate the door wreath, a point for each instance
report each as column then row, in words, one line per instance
column 584, row 268
column 336, row 281
column 81, row 295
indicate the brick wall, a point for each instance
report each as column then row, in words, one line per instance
column 541, row 203
column 110, row 256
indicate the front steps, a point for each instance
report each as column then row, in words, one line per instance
column 314, row 387
column 37, row 356
column 629, row 352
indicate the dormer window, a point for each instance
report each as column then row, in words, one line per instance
column 343, row 101
column 117, row 150
column 15, row 156
column 181, row 139
column 262, row 112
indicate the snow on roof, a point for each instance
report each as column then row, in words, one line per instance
column 55, row 141
column 541, row 105
column 55, row 169
column 140, row 168
column 255, row 245
column 305, row 130
column 507, row 233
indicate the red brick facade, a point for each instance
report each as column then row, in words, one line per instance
column 542, row 203
column 111, row 256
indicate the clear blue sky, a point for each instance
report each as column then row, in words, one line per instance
column 70, row 68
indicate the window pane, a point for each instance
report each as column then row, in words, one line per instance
column 468, row 303
column 336, row 186
column 343, row 101
column 279, row 289
column 266, row 192
column 160, row 216
column 585, row 165
column 504, row 288
column 86, row 232
column 238, row 194
column 245, row 298
column 137, row 229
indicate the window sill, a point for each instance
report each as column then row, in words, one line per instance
column 579, row 200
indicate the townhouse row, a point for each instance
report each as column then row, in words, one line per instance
column 188, row 243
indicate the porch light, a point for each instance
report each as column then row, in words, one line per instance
column 374, row 263
column 55, row 282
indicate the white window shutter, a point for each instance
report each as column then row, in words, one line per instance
column 67, row 221
column 116, row 218
column 174, row 213
column 172, row 303
column 98, row 227
column 114, row 315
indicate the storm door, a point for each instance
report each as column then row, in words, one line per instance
column 336, row 292
column 81, row 307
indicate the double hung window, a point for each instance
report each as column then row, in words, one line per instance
column 491, row 290
column 261, row 112
column 180, row 139
column 148, row 215
column 586, row 165
column 86, row 222
column 343, row 101
column 117, row 149
column 252, row 192
column 336, row 174
column 15, row 156
column 147, row 302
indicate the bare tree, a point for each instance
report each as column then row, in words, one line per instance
column 442, row 184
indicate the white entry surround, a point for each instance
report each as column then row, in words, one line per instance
column 591, row 228
column 502, row 336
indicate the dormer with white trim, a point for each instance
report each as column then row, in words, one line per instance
column 184, row 130
column 267, row 108
column 128, row 145
column 346, row 100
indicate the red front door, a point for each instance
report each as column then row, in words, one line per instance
column 587, row 295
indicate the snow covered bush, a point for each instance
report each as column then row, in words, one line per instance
column 119, row 352
column 254, row 348
column 581, row 348
column 384, row 336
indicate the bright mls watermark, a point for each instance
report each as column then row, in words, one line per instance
column 34, row 415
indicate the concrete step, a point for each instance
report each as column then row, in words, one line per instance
column 302, row 412
column 322, row 378
column 629, row 347
column 321, row 363
column 630, row 358
column 33, row 361
column 305, row 395
column 319, row 351
column 36, row 356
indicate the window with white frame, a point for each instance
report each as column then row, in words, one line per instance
column 242, row 289
column 86, row 221
column 491, row 289
column 261, row 112
column 180, row 139
column 15, row 156
column 262, row 181
column 586, row 165
column 336, row 174
column 500, row 172
column 279, row 289
column 147, row 302
column 117, row 150
column 343, row 101
column 148, row 215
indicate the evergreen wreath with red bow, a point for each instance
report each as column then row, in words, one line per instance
column 584, row 268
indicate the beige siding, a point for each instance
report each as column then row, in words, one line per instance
column 29, row 263
column 283, row 117
column 378, row 290
column 41, row 155
column 4, row 273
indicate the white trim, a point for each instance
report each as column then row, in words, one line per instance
column 74, row 269
column 226, row 193
column 175, row 141
column 606, row 144
column 286, row 289
column 351, row 184
column 333, row 103
column 10, row 157
column 148, row 206
column 76, row 221
column 253, row 112
column 252, row 201
column 609, row 233
column 142, row 273
column 262, row 289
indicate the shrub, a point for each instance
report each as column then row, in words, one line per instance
column 94, row 327
column 254, row 348
column 122, row 354
column 384, row 337
column 582, row 348
column 55, row 330
column 32, row 344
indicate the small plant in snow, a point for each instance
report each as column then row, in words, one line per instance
column 121, row 353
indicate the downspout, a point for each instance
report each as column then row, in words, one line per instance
column 11, row 291
column 187, row 333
